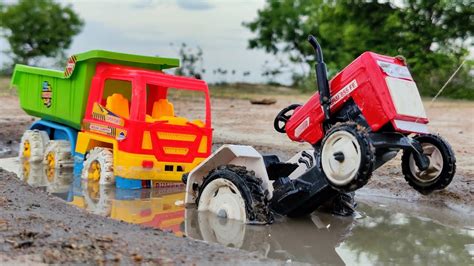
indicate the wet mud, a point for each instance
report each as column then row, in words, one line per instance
column 39, row 227
column 372, row 235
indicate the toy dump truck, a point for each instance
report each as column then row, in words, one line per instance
column 110, row 117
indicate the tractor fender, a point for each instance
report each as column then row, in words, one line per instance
column 240, row 155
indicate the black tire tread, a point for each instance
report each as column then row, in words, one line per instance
column 250, row 186
column 368, row 157
column 449, row 165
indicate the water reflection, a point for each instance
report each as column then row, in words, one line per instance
column 399, row 238
column 55, row 181
column 310, row 240
column 375, row 236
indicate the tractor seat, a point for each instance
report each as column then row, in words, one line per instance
column 118, row 105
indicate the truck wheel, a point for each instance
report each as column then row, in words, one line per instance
column 99, row 166
column 32, row 145
column 57, row 155
column 441, row 169
column 232, row 192
column 347, row 157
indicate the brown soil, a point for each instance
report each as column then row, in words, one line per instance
column 13, row 122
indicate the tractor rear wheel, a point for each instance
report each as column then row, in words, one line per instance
column 347, row 157
column 441, row 169
column 233, row 192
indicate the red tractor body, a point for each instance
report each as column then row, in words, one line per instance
column 380, row 86
column 362, row 118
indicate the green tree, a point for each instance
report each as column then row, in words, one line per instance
column 191, row 61
column 432, row 35
column 39, row 28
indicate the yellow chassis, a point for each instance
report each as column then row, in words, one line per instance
column 129, row 165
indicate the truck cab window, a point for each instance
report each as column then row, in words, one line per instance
column 117, row 97
column 176, row 106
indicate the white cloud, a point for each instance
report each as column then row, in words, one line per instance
column 194, row 4
column 149, row 26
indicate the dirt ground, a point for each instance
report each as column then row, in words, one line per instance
column 39, row 228
column 31, row 233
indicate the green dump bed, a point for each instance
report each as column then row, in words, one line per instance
column 62, row 96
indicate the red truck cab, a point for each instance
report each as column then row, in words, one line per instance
column 129, row 111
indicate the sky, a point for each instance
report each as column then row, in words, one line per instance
column 148, row 27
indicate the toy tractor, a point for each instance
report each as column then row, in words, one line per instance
column 356, row 123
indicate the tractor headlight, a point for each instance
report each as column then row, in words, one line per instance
column 394, row 70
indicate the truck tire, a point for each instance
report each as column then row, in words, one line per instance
column 347, row 157
column 58, row 154
column 32, row 146
column 99, row 166
column 232, row 192
column 441, row 169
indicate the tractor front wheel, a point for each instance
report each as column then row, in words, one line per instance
column 441, row 169
column 99, row 166
column 232, row 192
column 347, row 157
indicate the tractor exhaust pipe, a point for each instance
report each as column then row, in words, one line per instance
column 321, row 77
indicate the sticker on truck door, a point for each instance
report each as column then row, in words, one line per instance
column 117, row 133
column 47, row 94
column 101, row 113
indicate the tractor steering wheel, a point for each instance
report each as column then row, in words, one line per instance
column 283, row 116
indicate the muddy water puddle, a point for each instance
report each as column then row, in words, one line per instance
column 375, row 235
